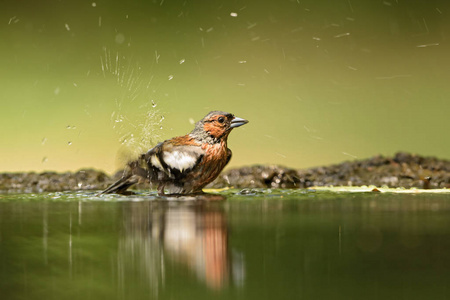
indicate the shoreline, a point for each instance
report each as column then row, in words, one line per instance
column 404, row 170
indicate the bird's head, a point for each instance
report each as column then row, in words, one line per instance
column 216, row 126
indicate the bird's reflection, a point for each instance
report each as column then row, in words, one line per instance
column 192, row 236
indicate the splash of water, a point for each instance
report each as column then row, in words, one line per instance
column 135, row 119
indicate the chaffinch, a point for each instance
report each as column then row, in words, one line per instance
column 184, row 164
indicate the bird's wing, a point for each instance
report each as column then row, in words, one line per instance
column 174, row 160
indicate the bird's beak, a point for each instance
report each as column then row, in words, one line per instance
column 236, row 122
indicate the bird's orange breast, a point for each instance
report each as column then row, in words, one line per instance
column 214, row 160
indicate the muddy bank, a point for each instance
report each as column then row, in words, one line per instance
column 402, row 170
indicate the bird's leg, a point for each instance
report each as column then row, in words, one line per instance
column 161, row 189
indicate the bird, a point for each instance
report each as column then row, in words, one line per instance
column 183, row 165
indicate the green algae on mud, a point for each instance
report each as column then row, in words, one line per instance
column 229, row 194
column 384, row 189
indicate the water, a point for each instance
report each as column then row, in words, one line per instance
column 259, row 244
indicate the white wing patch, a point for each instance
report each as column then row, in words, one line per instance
column 179, row 160
column 155, row 162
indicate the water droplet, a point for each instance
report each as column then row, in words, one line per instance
column 191, row 121
column 69, row 143
column 75, row 85
column 44, row 159
column 56, row 91
column 182, row 61
column 233, row 14
column 162, row 119
column 170, row 77
column 120, row 38
column 67, row 27
column 242, row 61
column 43, row 141
column 153, row 104
column 94, row 4
column 161, row 127
column 68, row 127
column 342, row 34
column 13, row 19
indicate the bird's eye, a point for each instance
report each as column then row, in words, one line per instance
column 221, row 119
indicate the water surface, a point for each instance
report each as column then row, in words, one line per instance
column 258, row 244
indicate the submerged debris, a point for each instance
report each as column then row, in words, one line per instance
column 403, row 170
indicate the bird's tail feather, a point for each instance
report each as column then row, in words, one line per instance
column 121, row 185
column 135, row 172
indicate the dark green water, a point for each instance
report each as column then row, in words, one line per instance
column 268, row 245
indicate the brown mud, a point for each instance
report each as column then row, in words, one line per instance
column 402, row 170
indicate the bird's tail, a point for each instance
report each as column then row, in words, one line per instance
column 134, row 174
column 121, row 185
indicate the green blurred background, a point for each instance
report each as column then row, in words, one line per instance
column 91, row 83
